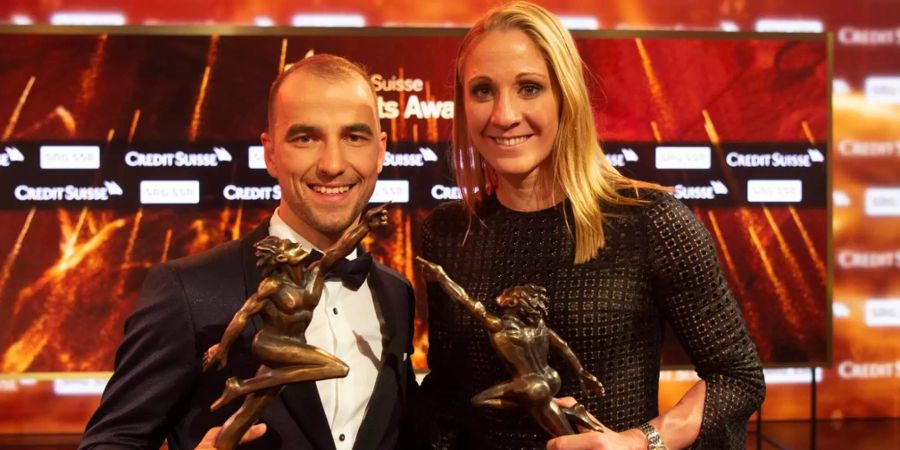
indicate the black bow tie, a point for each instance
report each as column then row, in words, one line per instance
column 352, row 273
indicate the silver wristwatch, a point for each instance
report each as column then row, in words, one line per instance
column 656, row 442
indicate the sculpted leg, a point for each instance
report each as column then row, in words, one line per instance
column 501, row 396
column 244, row 418
column 551, row 418
column 232, row 391
column 580, row 415
column 293, row 374
column 293, row 365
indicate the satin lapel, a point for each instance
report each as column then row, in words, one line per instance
column 391, row 299
column 301, row 400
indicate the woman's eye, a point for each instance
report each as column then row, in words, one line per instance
column 531, row 89
column 481, row 91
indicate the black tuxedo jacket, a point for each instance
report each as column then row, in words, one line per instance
column 158, row 390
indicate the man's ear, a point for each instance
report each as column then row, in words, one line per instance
column 269, row 154
column 382, row 148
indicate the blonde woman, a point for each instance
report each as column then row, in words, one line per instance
column 619, row 258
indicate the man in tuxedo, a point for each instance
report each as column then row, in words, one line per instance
column 325, row 146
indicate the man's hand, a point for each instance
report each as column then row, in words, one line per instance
column 215, row 357
column 433, row 272
column 209, row 440
column 376, row 217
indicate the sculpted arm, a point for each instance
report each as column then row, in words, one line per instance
column 373, row 218
column 436, row 273
column 588, row 381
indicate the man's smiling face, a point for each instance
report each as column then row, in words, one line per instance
column 326, row 149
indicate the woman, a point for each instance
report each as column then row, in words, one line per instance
column 619, row 259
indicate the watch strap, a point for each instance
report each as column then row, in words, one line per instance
column 653, row 436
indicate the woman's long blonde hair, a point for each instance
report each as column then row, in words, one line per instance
column 586, row 177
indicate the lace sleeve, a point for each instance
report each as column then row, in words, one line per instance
column 695, row 299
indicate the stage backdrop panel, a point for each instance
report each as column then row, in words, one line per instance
column 128, row 147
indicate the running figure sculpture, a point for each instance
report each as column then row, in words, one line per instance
column 285, row 300
column 522, row 340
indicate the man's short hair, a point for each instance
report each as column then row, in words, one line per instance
column 323, row 65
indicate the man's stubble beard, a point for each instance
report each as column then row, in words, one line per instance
column 333, row 224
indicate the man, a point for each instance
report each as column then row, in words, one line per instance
column 325, row 146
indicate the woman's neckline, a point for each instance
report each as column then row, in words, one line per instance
column 495, row 204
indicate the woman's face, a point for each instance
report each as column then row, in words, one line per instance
column 511, row 104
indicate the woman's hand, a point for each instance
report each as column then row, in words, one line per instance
column 593, row 440
column 209, row 440
column 607, row 440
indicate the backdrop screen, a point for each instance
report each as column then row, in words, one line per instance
column 125, row 150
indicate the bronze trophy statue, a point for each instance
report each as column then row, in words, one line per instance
column 522, row 340
column 285, row 300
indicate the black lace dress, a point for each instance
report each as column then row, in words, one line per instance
column 659, row 265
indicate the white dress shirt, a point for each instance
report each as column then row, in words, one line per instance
column 346, row 324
